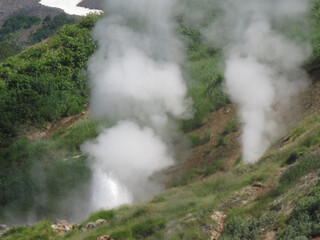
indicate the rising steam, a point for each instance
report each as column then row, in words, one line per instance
column 263, row 64
column 136, row 83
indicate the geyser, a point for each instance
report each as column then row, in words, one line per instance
column 138, row 85
column 263, row 64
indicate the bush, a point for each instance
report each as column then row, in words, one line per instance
column 8, row 49
column 147, row 228
column 239, row 228
column 121, row 235
column 221, row 141
column 16, row 23
column 195, row 139
column 304, row 221
column 49, row 27
column 45, row 82
column 304, row 166
column 231, row 126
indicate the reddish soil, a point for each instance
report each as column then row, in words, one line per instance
column 205, row 155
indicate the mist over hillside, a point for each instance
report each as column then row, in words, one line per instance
column 162, row 120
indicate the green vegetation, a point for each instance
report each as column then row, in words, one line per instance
column 238, row 228
column 16, row 23
column 183, row 212
column 304, row 222
column 50, row 168
column 9, row 45
column 193, row 174
column 232, row 126
column 44, row 83
column 41, row 231
column 315, row 36
column 147, row 228
column 12, row 29
column 205, row 79
column 106, row 215
column 304, row 166
column 221, row 141
column 8, row 49
column 197, row 140
column 49, row 27
column 47, row 81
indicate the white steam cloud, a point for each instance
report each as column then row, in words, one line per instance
column 263, row 64
column 136, row 83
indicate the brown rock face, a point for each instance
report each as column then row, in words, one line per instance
column 219, row 219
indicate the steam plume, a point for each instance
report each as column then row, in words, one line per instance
column 136, row 83
column 263, row 64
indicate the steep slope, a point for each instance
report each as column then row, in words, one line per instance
column 232, row 201
column 30, row 7
column 210, row 193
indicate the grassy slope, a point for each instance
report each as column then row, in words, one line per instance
column 42, row 84
column 259, row 200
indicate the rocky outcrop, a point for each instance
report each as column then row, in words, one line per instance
column 216, row 228
column 3, row 229
column 105, row 237
column 93, row 225
column 63, row 226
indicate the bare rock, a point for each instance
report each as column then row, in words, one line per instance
column 3, row 227
column 216, row 229
column 91, row 225
column 100, row 222
column 104, row 237
column 63, row 226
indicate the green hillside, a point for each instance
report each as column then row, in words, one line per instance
column 212, row 194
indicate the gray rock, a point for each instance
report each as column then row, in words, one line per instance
column 100, row 222
column 91, row 225
column 3, row 227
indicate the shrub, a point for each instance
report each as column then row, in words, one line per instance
column 304, row 221
column 16, row 23
column 195, row 139
column 239, row 228
column 45, row 82
column 121, row 234
column 50, row 26
column 231, row 126
column 304, row 166
column 221, row 141
column 147, row 228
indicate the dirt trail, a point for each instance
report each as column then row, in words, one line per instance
column 33, row 133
